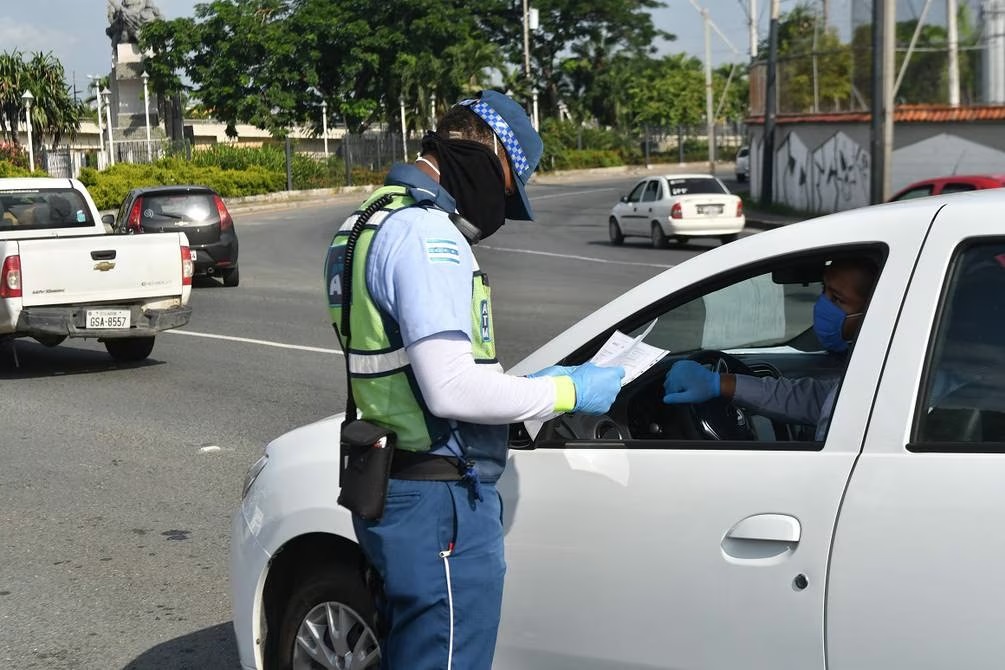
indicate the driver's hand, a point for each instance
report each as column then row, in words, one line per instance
column 690, row 382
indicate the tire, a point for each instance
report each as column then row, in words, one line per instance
column 726, row 239
column 614, row 231
column 741, row 178
column 659, row 240
column 232, row 277
column 129, row 349
column 309, row 599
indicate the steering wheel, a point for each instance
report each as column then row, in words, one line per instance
column 720, row 419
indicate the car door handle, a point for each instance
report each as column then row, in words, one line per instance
column 767, row 528
column 103, row 255
column 761, row 539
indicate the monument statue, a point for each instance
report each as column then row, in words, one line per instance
column 126, row 17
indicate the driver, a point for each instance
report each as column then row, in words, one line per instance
column 837, row 318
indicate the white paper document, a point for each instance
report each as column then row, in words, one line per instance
column 634, row 355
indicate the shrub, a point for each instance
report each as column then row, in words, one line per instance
column 9, row 169
column 109, row 188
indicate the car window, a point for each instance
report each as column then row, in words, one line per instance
column 962, row 404
column 652, row 191
column 34, row 209
column 636, row 193
column 958, row 187
column 161, row 208
column 917, row 192
column 742, row 153
column 690, row 185
column 759, row 317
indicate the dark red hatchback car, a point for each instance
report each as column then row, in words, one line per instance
column 197, row 211
column 956, row 183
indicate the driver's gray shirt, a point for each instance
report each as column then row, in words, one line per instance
column 805, row 400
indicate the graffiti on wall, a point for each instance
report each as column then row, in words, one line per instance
column 841, row 174
column 793, row 167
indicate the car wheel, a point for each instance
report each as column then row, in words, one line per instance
column 129, row 349
column 726, row 239
column 327, row 623
column 614, row 230
column 231, row 277
column 659, row 239
column 741, row 178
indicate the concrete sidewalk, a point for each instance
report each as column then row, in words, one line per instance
column 767, row 220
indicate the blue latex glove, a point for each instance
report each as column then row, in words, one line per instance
column 596, row 387
column 553, row 371
column 690, row 382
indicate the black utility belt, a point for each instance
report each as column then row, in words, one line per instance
column 423, row 466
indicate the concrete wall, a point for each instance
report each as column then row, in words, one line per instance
column 825, row 166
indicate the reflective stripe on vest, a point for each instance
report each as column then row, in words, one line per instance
column 383, row 383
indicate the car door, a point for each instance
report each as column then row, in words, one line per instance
column 687, row 554
column 916, row 580
column 650, row 205
column 631, row 220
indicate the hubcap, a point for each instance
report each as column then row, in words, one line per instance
column 334, row 637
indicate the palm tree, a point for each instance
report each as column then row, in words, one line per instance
column 54, row 113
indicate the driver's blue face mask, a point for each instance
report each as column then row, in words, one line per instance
column 828, row 321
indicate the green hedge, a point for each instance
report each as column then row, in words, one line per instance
column 8, row 169
column 109, row 187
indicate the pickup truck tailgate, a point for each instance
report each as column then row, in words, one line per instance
column 101, row 268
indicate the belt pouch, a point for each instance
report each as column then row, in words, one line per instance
column 366, row 453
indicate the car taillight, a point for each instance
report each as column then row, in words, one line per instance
column 133, row 222
column 676, row 212
column 187, row 266
column 10, row 277
column 739, row 209
column 226, row 222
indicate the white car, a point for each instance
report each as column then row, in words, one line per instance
column 743, row 164
column 703, row 537
column 679, row 206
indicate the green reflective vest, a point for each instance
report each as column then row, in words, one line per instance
column 382, row 380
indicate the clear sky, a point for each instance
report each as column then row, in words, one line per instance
column 74, row 30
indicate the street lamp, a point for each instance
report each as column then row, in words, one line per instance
column 28, row 97
column 146, row 113
column 324, row 124
column 432, row 110
column 106, row 94
column 96, row 85
column 530, row 23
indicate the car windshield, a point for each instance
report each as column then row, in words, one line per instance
column 35, row 209
column 691, row 185
column 161, row 208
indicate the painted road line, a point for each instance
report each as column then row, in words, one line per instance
column 247, row 340
column 576, row 258
column 535, row 198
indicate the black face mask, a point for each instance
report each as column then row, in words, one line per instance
column 473, row 175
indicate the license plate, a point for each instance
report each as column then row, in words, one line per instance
column 709, row 209
column 194, row 254
column 108, row 318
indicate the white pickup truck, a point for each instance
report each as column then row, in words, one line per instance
column 62, row 276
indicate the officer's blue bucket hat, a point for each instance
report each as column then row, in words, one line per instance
column 523, row 145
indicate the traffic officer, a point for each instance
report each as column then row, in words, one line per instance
column 422, row 362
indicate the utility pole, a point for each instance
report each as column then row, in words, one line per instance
column 709, row 116
column 768, row 145
column 953, row 39
column 752, row 28
column 884, row 18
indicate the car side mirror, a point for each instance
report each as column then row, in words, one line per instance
column 519, row 438
column 624, row 198
column 109, row 221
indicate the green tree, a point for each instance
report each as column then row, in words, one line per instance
column 54, row 112
column 595, row 32
column 814, row 65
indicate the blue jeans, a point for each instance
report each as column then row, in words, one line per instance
column 439, row 552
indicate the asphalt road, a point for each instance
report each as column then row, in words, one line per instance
column 117, row 482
